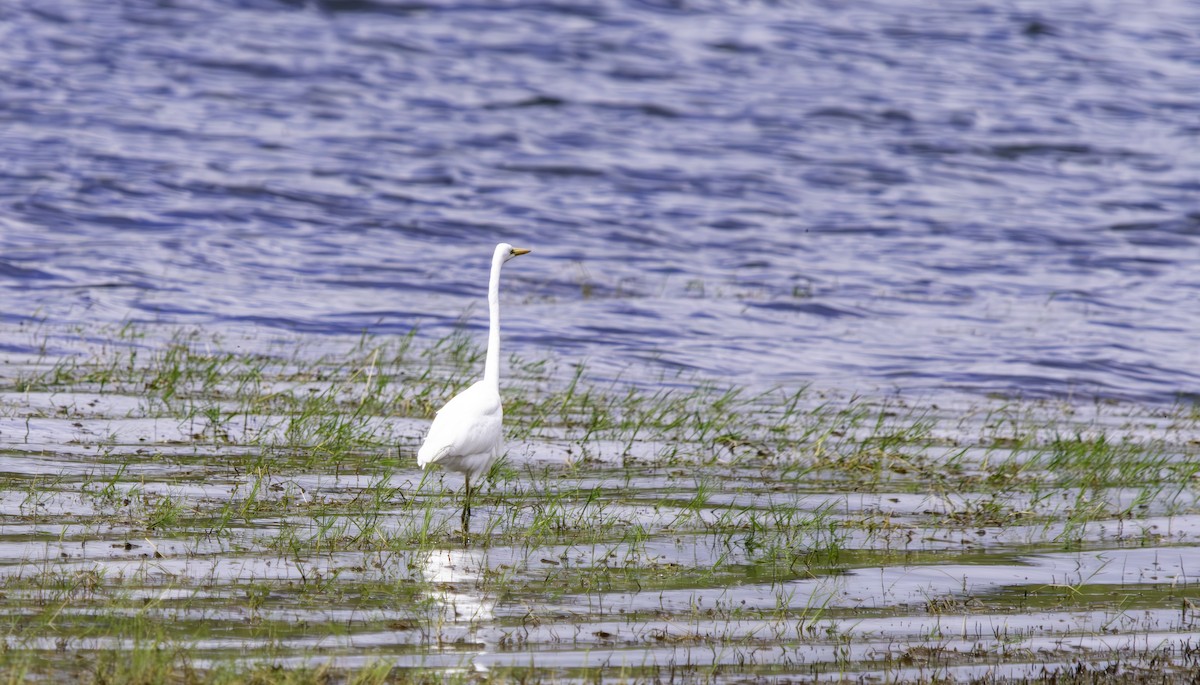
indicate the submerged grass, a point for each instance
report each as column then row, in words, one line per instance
column 175, row 511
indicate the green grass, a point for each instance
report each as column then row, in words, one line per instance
column 185, row 511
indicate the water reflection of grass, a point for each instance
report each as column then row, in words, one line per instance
column 184, row 512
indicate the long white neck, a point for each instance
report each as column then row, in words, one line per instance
column 491, row 367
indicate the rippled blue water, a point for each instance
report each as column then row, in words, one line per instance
column 900, row 195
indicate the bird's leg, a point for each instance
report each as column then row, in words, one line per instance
column 466, row 512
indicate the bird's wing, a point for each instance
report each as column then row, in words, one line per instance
column 468, row 424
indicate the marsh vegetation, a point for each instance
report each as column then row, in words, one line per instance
column 178, row 510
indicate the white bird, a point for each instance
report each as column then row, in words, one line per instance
column 467, row 434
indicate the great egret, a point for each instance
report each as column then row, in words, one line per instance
column 466, row 435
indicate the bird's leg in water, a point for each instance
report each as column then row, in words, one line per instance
column 466, row 512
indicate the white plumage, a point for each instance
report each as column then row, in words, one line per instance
column 467, row 434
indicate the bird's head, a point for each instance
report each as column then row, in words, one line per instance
column 508, row 251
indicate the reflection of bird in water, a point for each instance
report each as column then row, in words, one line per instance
column 455, row 574
column 467, row 433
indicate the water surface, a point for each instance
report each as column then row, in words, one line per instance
column 872, row 197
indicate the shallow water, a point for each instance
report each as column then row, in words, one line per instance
column 988, row 197
column 970, row 546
